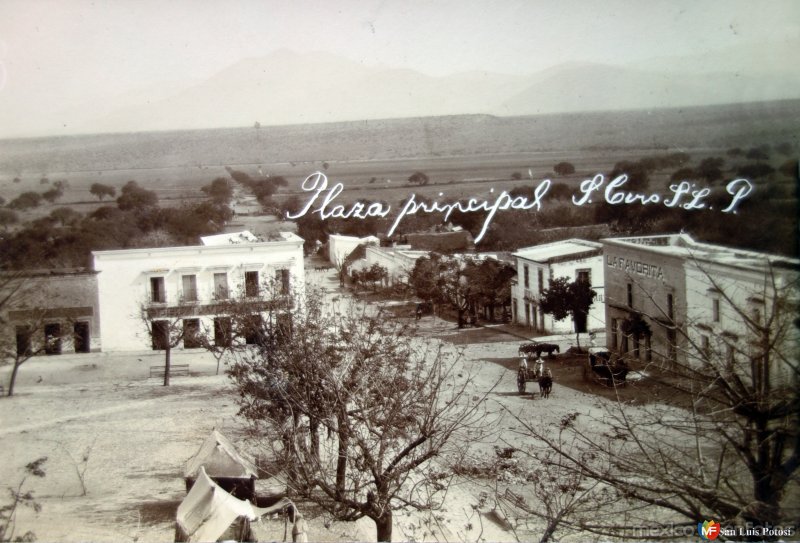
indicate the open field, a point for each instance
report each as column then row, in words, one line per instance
column 141, row 434
column 463, row 155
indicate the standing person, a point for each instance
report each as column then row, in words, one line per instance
column 299, row 528
column 523, row 364
column 539, row 367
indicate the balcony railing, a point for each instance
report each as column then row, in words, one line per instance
column 188, row 296
column 528, row 295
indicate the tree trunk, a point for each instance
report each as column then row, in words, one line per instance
column 167, row 352
column 383, row 524
column 314, row 429
column 341, row 460
column 549, row 531
column 13, row 378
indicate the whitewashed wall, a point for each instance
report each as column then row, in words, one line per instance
column 567, row 268
column 124, row 280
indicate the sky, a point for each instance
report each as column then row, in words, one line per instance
column 62, row 54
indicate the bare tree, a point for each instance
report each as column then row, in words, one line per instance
column 727, row 443
column 81, row 466
column 388, row 403
column 166, row 330
column 27, row 330
column 20, row 498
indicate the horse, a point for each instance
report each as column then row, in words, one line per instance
column 546, row 384
column 538, row 348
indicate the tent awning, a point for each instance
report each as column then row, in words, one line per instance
column 207, row 510
column 220, row 459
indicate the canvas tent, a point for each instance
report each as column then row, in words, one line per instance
column 208, row 513
column 224, row 465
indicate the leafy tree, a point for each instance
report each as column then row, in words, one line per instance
column 26, row 200
column 735, row 152
column 66, row 216
column 134, row 197
column 564, row 168
column 189, row 222
column 418, row 178
column 758, row 153
column 441, row 279
column 7, row 218
column 490, row 282
column 313, row 230
column 710, row 169
column 219, row 190
column 754, row 171
column 560, row 191
column 53, row 194
column 638, row 175
column 425, row 278
column 100, row 191
column 388, row 403
column 375, row 274
column 682, row 174
column 17, row 180
column 44, row 181
column 565, row 298
column 516, row 176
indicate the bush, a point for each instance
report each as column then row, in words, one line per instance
column 564, row 168
column 26, row 200
column 418, row 178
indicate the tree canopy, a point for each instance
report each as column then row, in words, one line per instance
column 134, row 197
column 388, row 404
column 564, row 168
column 565, row 298
column 418, row 178
column 100, row 191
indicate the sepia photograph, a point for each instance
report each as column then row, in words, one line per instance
column 517, row 271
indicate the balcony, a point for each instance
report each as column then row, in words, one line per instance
column 528, row 295
column 188, row 296
column 221, row 294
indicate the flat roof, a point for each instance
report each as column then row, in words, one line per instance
column 558, row 250
column 685, row 247
column 285, row 237
column 233, row 238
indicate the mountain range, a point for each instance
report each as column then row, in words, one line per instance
column 286, row 87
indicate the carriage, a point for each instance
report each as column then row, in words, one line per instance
column 525, row 376
column 544, row 379
column 605, row 367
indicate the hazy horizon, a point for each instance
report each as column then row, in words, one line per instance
column 78, row 68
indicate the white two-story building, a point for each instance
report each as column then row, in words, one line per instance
column 190, row 284
column 674, row 300
column 538, row 265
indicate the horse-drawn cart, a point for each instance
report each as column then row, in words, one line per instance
column 525, row 376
